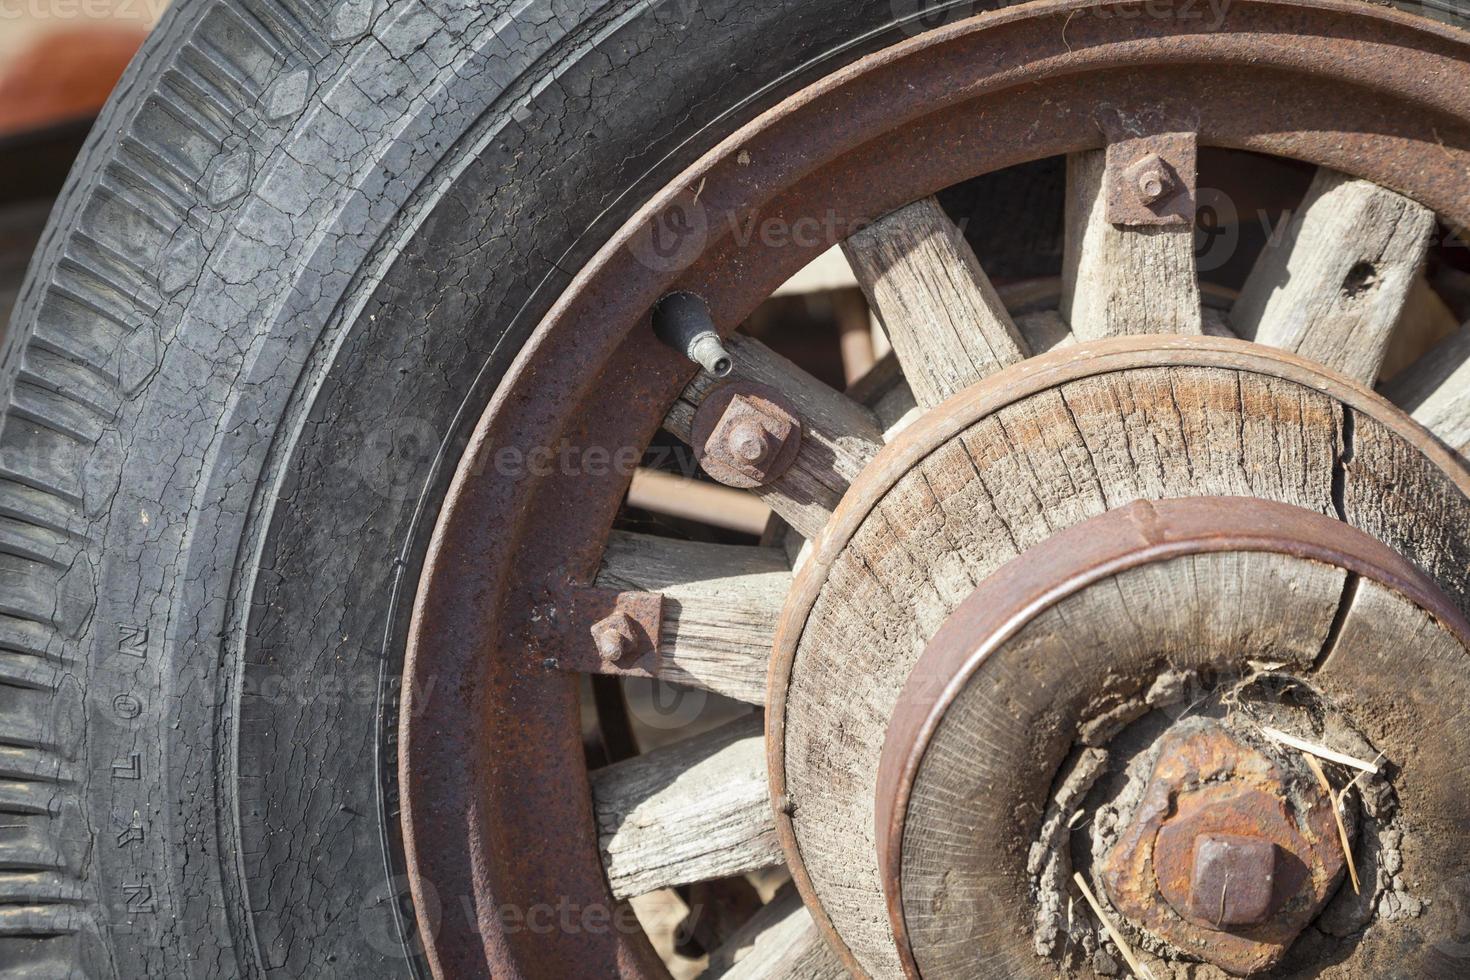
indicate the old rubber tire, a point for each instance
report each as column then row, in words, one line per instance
column 299, row 249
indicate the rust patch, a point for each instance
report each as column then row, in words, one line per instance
column 1208, row 787
column 1150, row 180
column 605, row 631
column 746, row 434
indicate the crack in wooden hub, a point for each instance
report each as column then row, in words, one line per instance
column 1003, row 585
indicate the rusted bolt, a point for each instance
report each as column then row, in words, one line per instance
column 616, row 637
column 1150, row 178
column 750, row 437
column 755, row 440
column 1234, row 880
column 746, row 435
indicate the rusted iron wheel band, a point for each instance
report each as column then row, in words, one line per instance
column 495, row 805
column 1139, row 534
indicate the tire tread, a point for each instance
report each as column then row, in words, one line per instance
column 84, row 339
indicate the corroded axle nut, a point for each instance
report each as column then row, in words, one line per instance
column 1227, row 857
column 746, row 435
column 1234, row 880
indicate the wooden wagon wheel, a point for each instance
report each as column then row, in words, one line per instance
column 947, row 521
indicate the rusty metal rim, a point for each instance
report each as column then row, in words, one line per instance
column 1141, row 533
column 479, row 774
column 1046, row 371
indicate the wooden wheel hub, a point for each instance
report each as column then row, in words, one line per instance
column 981, row 649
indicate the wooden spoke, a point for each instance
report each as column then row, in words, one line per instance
column 1216, row 323
column 887, row 392
column 780, row 941
column 1119, row 280
column 690, row 812
column 721, row 603
column 1333, row 286
column 896, row 407
column 1044, row 329
column 838, row 435
column 1435, row 390
column 1427, row 319
column 946, row 324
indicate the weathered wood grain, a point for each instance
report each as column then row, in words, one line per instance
column 943, row 317
column 1006, row 483
column 1333, row 287
column 696, row 810
column 838, row 438
column 1404, row 678
column 779, row 943
column 1119, row 280
column 1426, row 321
column 721, row 603
column 990, row 762
column 1391, row 490
column 1044, row 329
column 1040, row 331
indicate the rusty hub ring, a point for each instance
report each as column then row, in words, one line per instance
column 1065, row 564
column 495, row 806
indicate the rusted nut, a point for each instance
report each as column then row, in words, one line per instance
column 1189, row 866
column 750, row 437
column 1151, row 179
column 616, row 637
column 1234, row 880
column 746, row 435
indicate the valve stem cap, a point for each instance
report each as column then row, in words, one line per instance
column 683, row 321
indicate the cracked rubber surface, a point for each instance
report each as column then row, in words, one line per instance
column 297, row 252
column 299, row 249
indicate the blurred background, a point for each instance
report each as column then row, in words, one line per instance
column 59, row 59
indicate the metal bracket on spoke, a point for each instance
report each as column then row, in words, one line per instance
column 1150, row 180
column 609, row 632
